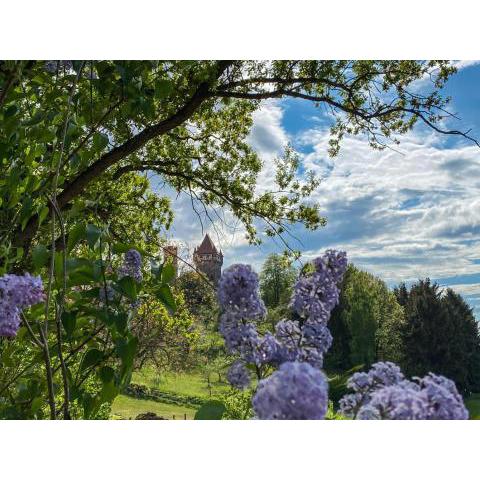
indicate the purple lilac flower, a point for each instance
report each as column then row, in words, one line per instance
column 238, row 375
column 351, row 403
column 296, row 391
column 316, row 341
column 336, row 263
column 239, row 337
column 368, row 412
column 306, row 344
column 396, row 402
column 364, row 384
column 17, row 292
column 382, row 374
column 384, row 393
column 268, row 350
column 9, row 320
column 132, row 266
column 444, row 401
column 238, row 292
column 289, row 334
column 314, row 296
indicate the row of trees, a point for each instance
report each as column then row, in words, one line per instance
column 422, row 329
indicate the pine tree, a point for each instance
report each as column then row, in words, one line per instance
column 440, row 334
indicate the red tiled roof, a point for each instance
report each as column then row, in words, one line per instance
column 206, row 246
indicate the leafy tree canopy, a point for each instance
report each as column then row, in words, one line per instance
column 367, row 324
column 276, row 280
column 65, row 127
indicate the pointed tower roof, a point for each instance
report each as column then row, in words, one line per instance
column 206, row 246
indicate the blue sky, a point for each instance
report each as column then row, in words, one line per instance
column 402, row 215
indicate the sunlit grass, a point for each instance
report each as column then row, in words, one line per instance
column 190, row 384
column 125, row 407
column 473, row 405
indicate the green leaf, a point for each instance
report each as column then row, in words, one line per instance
column 77, row 233
column 108, row 393
column 69, row 321
column 126, row 349
column 42, row 215
column 212, row 410
column 90, row 405
column 93, row 234
column 106, row 374
column 40, row 256
column 164, row 294
column 128, row 287
column 100, row 141
column 163, row 88
column 92, row 357
column 168, row 273
column 121, row 321
column 156, row 269
column 37, row 404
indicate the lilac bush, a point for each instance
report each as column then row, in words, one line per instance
column 296, row 348
column 16, row 293
column 384, row 393
column 298, row 389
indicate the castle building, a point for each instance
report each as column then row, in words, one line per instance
column 208, row 259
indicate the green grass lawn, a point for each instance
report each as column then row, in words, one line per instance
column 191, row 383
column 473, row 405
column 188, row 384
column 125, row 408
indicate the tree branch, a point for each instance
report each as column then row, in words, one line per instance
column 76, row 186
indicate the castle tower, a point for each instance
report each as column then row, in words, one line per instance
column 208, row 259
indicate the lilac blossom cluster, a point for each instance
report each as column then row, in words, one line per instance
column 385, row 393
column 16, row 293
column 298, row 345
column 296, row 391
column 238, row 375
column 132, row 266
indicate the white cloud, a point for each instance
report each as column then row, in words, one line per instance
column 400, row 215
column 268, row 138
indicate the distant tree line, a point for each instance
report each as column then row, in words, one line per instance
column 422, row 328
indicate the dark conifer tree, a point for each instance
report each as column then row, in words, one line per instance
column 440, row 334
